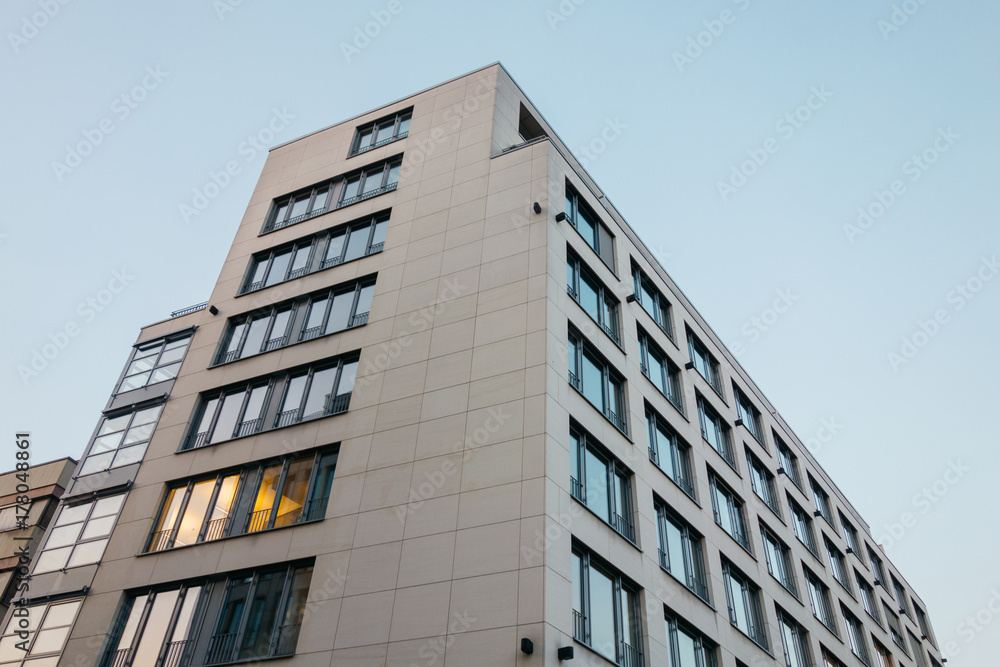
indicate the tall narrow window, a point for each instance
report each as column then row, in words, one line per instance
column 895, row 629
column 371, row 181
column 851, row 537
column 37, row 638
column 788, row 461
column 779, row 561
column 819, row 599
column 593, row 231
column 762, row 482
column 687, row 646
column 822, row 500
column 917, row 650
column 158, row 622
column 743, row 598
column 79, row 534
column 587, row 290
column 748, row 414
column 381, row 132
column 856, row 635
column 794, row 641
column 670, row 454
column 120, row 441
column 877, row 568
column 900, row 591
column 660, row 370
column 594, row 377
column 883, row 655
column 605, row 610
column 802, row 525
column 715, row 431
column 651, row 300
column 728, row 510
column 681, row 550
column 705, row 363
column 925, row 627
column 838, row 564
column 601, row 482
column 868, row 599
column 155, row 362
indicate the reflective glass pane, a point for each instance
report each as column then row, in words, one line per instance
column 96, row 463
column 293, row 396
column 129, row 455
column 687, row 650
column 265, row 499
column 357, row 244
column 54, row 559
column 222, row 508
column 140, row 365
column 73, row 514
column 255, row 403
column 602, row 614
column 317, row 311
column 155, row 629
column 194, row 514
column 168, row 519
column 365, row 139
column 171, row 355
column 593, row 382
column 340, row 312
column 675, row 551
column 132, row 624
column 351, row 188
column 107, row 443
column 182, row 629
column 49, row 641
column 380, row 230
column 165, row 373
column 663, row 441
column 147, row 416
column 319, row 400
column 139, row 433
column 597, row 485
column 135, row 381
column 149, row 351
column 321, row 197
column 281, row 212
column 739, row 611
column 280, row 326
column 235, row 337
column 64, row 535
column 293, row 493
column 261, row 615
column 98, row 527
column 279, row 268
column 347, row 375
column 87, row 553
column 404, row 126
column 336, row 246
column 301, row 257
column 588, row 297
column 255, row 336
column 232, row 610
column 393, row 174
column 385, row 131
column 297, row 596
column 656, row 371
column 365, row 299
column 299, row 207
column 207, row 415
column 228, row 416
column 112, row 425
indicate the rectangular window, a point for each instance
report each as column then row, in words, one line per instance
column 121, row 440
column 688, row 647
column 286, row 398
column 868, row 599
column 601, row 482
column 605, row 610
column 11, row 518
column 332, row 247
column 381, row 132
column 669, row 452
column 279, row 492
column 924, row 624
column 838, row 564
column 594, row 232
column 829, row 660
column 681, row 550
column 593, row 376
column 662, row 372
column 883, row 655
column 762, row 482
column 587, row 290
column 819, row 599
column 794, row 641
column 372, row 180
column 251, row 616
column 900, row 591
column 716, row 431
column 895, row 629
column 877, row 568
column 749, row 415
column 802, row 525
column 154, row 362
column 787, row 460
column 779, row 560
column 743, row 598
column 728, row 510
column 856, row 635
column 704, row 362
column 652, row 300
column 37, row 638
column 342, row 307
column 918, row 653
column 79, row 534
column 851, row 537
column 822, row 500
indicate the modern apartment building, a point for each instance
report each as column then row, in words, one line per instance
column 444, row 407
column 28, row 500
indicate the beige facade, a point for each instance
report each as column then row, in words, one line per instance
column 450, row 530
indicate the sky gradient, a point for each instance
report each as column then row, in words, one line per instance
column 817, row 177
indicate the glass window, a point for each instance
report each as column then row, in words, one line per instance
column 41, row 631
column 601, row 482
column 802, row 525
column 715, row 431
column 855, row 635
column 822, row 500
column 671, row 454
column 743, row 599
column 79, row 534
column 868, row 597
column 762, row 482
column 883, row 655
column 925, row 627
column 900, row 592
column 877, row 567
column 597, row 300
column 895, row 629
column 705, row 363
column 838, row 564
column 788, row 461
column 779, row 561
column 381, row 132
column 600, row 384
column 728, row 510
column 593, row 231
column 605, row 610
column 748, row 414
column 681, row 550
column 819, row 599
column 120, row 441
column 687, row 646
column 662, row 372
column 154, row 362
column 652, row 300
column 851, row 537
column 794, row 641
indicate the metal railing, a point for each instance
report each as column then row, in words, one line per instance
column 189, row 309
column 275, row 343
column 330, row 261
column 576, row 490
column 311, row 332
column 199, row 440
column 297, row 273
column 375, row 247
column 615, row 419
column 216, row 529
column 573, row 293
column 249, row 427
column 581, row 628
column 358, row 320
column 379, row 144
column 259, row 520
column 612, row 332
column 315, row 509
column 161, row 540
column 286, row 639
column 175, row 653
column 220, row 648
column 629, row 656
column 366, row 195
column 120, row 657
column 574, row 380
column 287, row 417
column 623, row 526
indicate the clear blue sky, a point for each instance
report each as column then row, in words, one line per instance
column 878, row 98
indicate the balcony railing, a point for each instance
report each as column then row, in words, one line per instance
column 311, row 332
column 623, row 526
column 574, row 380
column 275, row 343
column 616, row 419
column 315, row 509
column 629, row 656
column 287, row 417
column 576, row 490
column 216, row 529
column 259, row 520
column 287, row 637
column 249, row 427
column 161, row 540
column 379, row 144
column 358, row 320
column 200, row 440
column 120, row 657
column 220, row 649
column 175, row 654
column 581, row 628
column 189, row 309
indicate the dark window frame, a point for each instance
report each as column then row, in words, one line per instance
column 856, row 638
column 678, row 450
column 803, row 523
column 669, row 383
column 660, row 308
column 578, row 209
column 614, row 407
column 751, row 604
column 701, row 356
column 787, row 460
column 621, row 515
column 627, row 653
column 799, row 635
column 400, row 122
column 735, row 509
column 163, row 344
column 838, row 564
column 786, row 577
column 762, row 481
column 693, row 573
column 706, row 651
column 577, row 272
column 820, row 600
column 724, row 448
column 749, row 416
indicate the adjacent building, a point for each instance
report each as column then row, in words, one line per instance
column 444, row 407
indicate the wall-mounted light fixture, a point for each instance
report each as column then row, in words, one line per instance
column 565, row 653
column 527, row 646
column 560, row 216
column 213, row 310
column 536, row 207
